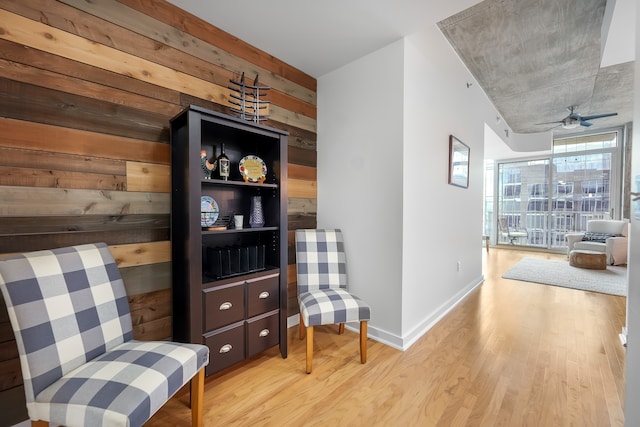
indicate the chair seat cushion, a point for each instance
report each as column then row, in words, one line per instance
column 123, row 387
column 590, row 246
column 331, row 306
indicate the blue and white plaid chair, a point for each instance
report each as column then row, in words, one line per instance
column 322, row 287
column 70, row 314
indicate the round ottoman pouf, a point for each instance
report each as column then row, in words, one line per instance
column 588, row 259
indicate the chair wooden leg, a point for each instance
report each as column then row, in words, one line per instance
column 301, row 327
column 39, row 423
column 197, row 398
column 341, row 328
column 363, row 342
column 309, row 348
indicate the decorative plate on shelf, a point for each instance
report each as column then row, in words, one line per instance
column 209, row 211
column 253, row 169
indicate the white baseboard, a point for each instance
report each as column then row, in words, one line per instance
column 403, row 343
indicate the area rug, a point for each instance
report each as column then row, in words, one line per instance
column 612, row 281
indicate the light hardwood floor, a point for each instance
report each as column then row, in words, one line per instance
column 511, row 354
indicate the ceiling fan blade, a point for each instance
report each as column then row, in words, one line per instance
column 598, row 116
column 585, row 123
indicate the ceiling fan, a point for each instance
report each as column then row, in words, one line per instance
column 574, row 119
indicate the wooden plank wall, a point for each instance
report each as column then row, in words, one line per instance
column 87, row 90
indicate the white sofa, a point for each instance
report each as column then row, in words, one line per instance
column 609, row 236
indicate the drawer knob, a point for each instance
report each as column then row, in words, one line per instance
column 225, row 306
column 264, row 332
column 226, row 348
column 263, row 295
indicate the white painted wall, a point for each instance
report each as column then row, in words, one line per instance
column 383, row 132
column 442, row 223
column 360, row 178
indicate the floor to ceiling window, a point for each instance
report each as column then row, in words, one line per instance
column 538, row 201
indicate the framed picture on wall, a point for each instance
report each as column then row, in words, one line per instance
column 459, row 154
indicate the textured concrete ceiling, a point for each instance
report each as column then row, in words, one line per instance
column 534, row 58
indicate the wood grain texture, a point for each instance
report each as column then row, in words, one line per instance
column 148, row 177
column 143, row 279
column 40, row 36
column 20, row 54
column 512, row 353
column 24, row 225
column 32, row 201
column 57, row 139
column 61, row 82
column 15, row 243
column 302, row 156
column 141, row 253
column 29, row 177
column 38, row 104
column 302, row 189
column 302, row 206
column 302, row 172
column 35, row 159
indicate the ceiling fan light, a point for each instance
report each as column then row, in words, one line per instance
column 570, row 123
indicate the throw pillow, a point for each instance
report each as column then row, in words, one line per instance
column 597, row 237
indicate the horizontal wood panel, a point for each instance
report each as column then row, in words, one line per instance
column 56, row 139
column 146, row 278
column 29, row 177
column 35, row 159
column 159, row 329
column 8, row 350
column 142, row 301
column 303, row 156
column 19, row 201
column 33, row 103
column 160, row 310
column 33, row 242
column 300, row 221
column 21, row 54
column 10, row 374
column 148, row 177
column 141, row 253
column 61, row 224
column 302, row 172
column 41, row 36
column 302, row 189
column 302, row 206
column 60, row 82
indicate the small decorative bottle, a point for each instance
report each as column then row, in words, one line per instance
column 224, row 165
column 256, row 216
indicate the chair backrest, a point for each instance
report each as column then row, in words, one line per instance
column 320, row 260
column 610, row 226
column 66, row 306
